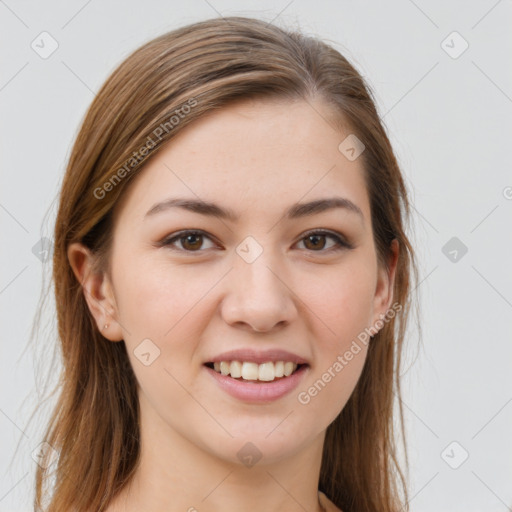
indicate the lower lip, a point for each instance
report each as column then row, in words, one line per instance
column 258, row 391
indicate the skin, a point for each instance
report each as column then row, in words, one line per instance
column 257, row 158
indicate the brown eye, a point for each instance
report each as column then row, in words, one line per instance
column 190, row 241
column 316, row 241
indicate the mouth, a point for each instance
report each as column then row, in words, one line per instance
column 248, row 371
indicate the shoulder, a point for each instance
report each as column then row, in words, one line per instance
column 327, row 504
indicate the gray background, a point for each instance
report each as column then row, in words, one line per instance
column 448, row 116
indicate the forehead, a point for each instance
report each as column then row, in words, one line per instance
column 255, row 156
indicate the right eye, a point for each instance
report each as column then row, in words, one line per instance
column 190, row 240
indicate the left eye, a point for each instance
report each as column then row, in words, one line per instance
column 314, row 238
column 191, row 241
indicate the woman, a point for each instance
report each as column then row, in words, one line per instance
column 232, row 279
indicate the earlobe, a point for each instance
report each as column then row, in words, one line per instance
column 97, row 291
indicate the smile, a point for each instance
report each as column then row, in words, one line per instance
column 250, row 371
column 257, row 383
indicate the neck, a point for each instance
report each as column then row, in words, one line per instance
column 174, row 474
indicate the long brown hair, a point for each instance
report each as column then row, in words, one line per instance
column 155, row 93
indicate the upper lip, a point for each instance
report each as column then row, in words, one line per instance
column 258, row 356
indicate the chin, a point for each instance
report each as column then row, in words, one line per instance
column 262, row 446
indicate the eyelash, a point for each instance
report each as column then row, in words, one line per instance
column 341, row 244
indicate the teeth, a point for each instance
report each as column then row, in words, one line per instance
column 288, row 369
column 224, row 368
column 236, row 369
column 265, row 372
column 249, row 371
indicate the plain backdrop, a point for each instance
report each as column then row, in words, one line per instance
column 441, row 75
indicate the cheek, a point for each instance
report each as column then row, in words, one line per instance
column 343, row 305
column 327, row 392
column 168, row 305
column 156, row 298
column 162, row 304
column 342, row 301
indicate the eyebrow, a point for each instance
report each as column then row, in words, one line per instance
column 297, row 210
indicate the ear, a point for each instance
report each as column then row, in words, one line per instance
column 385, row 284
column 98, row 291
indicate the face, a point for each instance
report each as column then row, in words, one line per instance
column 197, row 294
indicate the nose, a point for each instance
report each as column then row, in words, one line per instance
column 259, row 298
